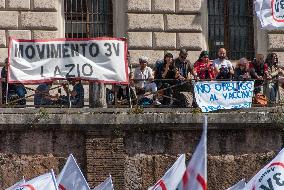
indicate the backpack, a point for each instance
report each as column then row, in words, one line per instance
column 260, row 100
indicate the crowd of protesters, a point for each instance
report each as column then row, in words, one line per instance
column 169, row 77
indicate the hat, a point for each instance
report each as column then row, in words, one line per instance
column 143, row 59
column 203, row 53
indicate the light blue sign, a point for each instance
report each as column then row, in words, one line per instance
column 215, row 95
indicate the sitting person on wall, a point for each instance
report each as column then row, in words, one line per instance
column 183, row 65
column 165, row 69
column 143, row 78
column 259, row 71
column 276, row 73
column 203, row 67
column 242, row 71
column 223, row 67
column 43, row 97
column 76, row 95
column 16, row 92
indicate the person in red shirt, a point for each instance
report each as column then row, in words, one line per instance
column 203, row 67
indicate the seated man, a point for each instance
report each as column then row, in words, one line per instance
column 15, row 91
column 143, row 77
column 43, row 97
column 76, row 95
column 223, row 67
column 183, row 65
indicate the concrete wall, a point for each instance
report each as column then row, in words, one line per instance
column 156, row 26
column 136, row 149
column 29, row 19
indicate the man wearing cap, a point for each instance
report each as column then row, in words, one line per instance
column 144, row 76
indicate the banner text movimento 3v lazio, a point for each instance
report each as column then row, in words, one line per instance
column 100, row 59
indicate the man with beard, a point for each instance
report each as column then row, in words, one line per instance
column 223, row 67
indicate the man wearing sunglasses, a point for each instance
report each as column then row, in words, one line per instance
column 183, row 65
column 184, row 92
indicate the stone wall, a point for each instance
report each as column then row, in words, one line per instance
column 276, row 43
column 156, row 26
column 136, row 149
column 28, row 19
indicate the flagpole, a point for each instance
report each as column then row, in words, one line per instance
column 54, row 180
column 205, row 144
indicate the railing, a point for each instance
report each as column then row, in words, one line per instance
column 113, row 98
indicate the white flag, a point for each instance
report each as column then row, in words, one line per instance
column 195, row 177
column 43, row 182
column 172, row 177
column 238, row 186
column 71, row 177
column 271, row 177
column 106, row 185
column 22, row 182
column 270, row 13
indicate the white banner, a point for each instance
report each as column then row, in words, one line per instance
column 215, row 95
column 18, row 184
column 270, row 13
column 195, row 176
column 71, row 176
column 99, row 59
column 43, row 182
column 238, row 186
column 271, row 177
column 106, row 185
column 172, row 177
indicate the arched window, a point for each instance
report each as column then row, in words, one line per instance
column 88, row 18
column 230, row 25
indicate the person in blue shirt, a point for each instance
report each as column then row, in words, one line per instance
column 76, row 95
column 15, row 91
column 43, row 97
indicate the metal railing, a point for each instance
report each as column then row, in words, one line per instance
column 121, row 96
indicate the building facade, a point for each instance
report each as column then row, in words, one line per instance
column 151, row 26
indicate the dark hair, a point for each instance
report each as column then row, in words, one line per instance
column 202, row 54
column 168, row 55
column 269, row 59
column 183, row 51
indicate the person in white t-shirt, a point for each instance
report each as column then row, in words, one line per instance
column 223, row 67
column 146, row 73
column 144, row 78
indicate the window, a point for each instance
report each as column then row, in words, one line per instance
column 88, row 18
column 230, row 25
